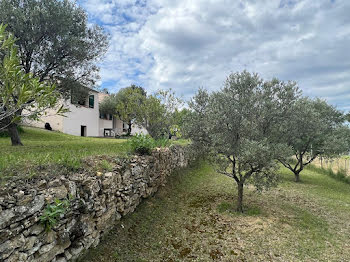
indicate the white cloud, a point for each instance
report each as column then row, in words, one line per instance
column 187, row 44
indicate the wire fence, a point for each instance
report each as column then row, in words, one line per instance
column 341, row 164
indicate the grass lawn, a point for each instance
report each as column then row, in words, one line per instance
column 42, row 147
column 191, row 219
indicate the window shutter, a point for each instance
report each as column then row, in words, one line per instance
column 91, row 101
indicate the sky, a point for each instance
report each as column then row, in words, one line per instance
column 184, row 45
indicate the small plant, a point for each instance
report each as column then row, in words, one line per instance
column 105, row 165
column 142, row 144
column 71, row 163
column 53, row 212
column 162, row 142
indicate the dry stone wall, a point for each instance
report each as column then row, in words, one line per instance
column 97, row 200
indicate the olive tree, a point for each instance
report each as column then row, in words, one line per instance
column 315, row 128
column 21, row 94
column 237, row 125
column 126, row 104
column 160, row 113
column 56, row 43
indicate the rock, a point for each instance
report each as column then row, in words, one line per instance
column 46, row 248
column 53, row 252
column 61, row 259
column 6, row 216
column 75, row 251
column 59, row 192
column 30, row 241
column 36, row 229
column 97, row 202
column 9, row 246
column 17, row 257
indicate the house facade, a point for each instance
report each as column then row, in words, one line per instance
column 84, row 119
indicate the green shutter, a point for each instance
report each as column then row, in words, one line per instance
column 91, row 101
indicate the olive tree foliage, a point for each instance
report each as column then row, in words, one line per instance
column 196, row 123
column 237, row 126
column 55, row 43
column 126, row 104
column 160, row 114
column 153, row 117
column 315, row 128
column 21, row 93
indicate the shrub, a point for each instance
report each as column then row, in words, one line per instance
column 162, row 142
column 142, row 144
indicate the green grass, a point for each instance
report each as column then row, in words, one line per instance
column 192, row 219
column 42, row 147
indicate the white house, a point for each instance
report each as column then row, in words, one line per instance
column 84, row 119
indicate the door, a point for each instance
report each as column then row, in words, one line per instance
column 83, row 131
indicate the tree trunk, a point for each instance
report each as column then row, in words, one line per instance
column 129, row 128
column 240, row 197
column 297, row 176
column 13, row 132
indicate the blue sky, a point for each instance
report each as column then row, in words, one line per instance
column 183, row 45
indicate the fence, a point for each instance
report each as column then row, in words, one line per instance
column 336, row 164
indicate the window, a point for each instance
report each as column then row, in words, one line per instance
column 91, row 101
column 110, row 116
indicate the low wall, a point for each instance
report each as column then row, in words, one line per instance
column 97, row 200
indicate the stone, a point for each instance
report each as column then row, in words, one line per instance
column 46, row 248
column 97, row 202
column 9, row 246
column 61, row 259
column 30, row 242
column 67, row 255
column 17, row 257
column 53, row 252
column 72, row 189
column 59, row 192
column 6, row 216
column 75, row 251
column 36, row 229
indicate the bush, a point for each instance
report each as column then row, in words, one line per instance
column 162, row 142
column 142, row 144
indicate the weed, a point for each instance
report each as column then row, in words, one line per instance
column 105, row 165
column 53, row 212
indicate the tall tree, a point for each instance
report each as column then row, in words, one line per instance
column 21, row 94
column 239, row 121
column 160, row 114
column 126, row 104
column 55, row 42
column 315, row 128
column 153, row 117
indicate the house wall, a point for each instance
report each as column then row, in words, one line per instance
column 55, row 121
column 82, row 116
column 104, row 123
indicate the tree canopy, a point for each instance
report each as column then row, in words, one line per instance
column 21, row 94
column 126, row 104
column 55, row 41
column 315, row 128
column 237, row 125
column 55, row 44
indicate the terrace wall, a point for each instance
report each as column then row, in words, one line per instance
column 97, row 200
